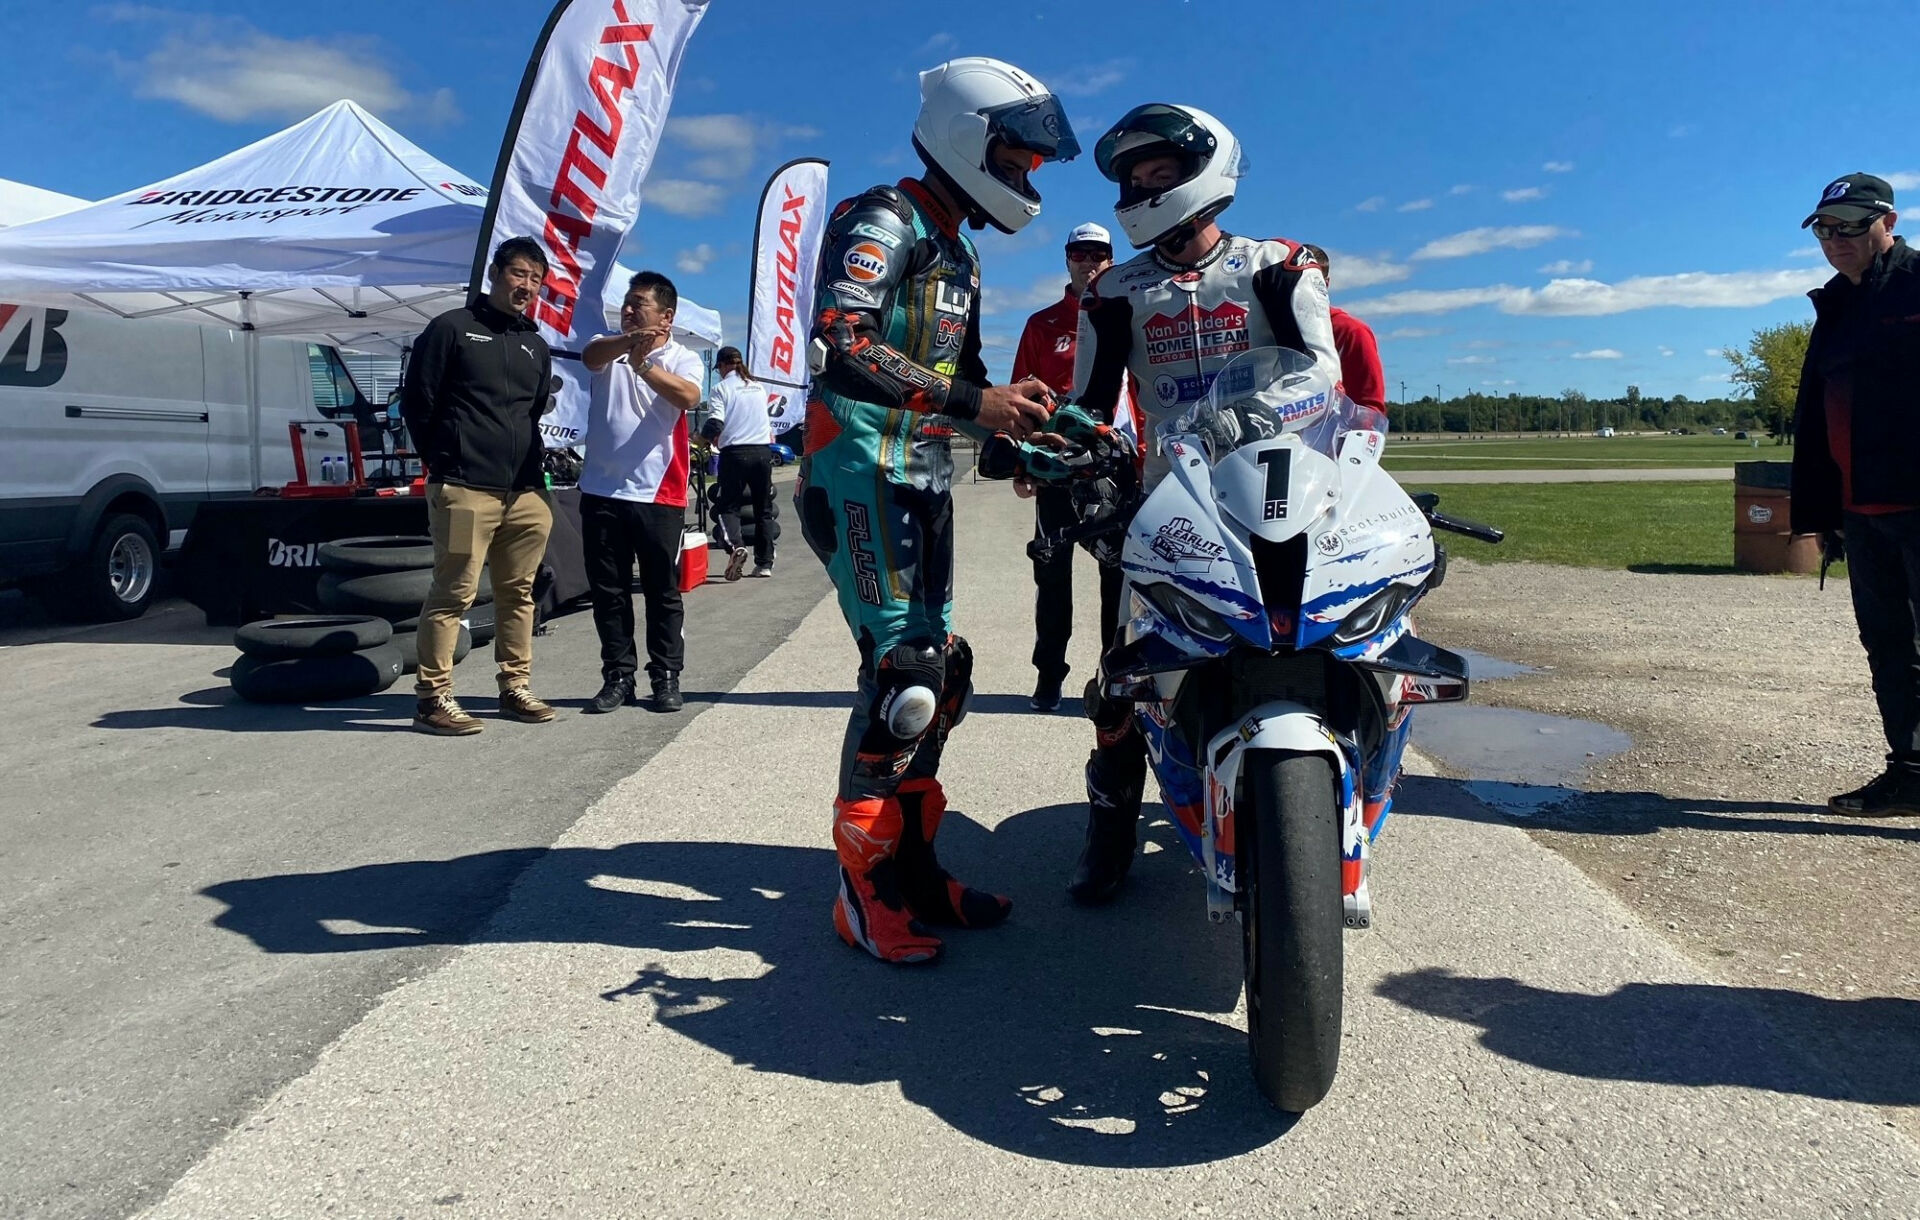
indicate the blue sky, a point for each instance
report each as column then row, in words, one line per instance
column 1518, row 197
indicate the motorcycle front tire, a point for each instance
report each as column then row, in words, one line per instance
column 1292, row 925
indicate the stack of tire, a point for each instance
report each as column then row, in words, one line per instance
column 750, row 525
column 388, row 577
column 371, row 590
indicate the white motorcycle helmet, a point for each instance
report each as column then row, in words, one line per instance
column 969, row 105
column 1211, row 161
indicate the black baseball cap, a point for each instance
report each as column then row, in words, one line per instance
column 1854, row 197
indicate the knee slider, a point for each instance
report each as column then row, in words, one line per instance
column 957, row 692
column 907, row 690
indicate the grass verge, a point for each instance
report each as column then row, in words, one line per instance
column 1645, row 527
column 1577, row 453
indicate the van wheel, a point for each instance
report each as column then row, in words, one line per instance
column 117, row 577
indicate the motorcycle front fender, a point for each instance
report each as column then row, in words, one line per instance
column 1280, row 725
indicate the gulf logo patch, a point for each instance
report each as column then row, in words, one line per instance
column 866, row 262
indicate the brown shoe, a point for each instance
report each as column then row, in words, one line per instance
column 523, row 705
column 443, row 717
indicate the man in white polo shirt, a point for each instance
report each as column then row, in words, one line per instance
column 740, row 430
column 633, row 490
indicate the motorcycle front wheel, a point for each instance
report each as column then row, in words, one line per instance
column 1288, row 862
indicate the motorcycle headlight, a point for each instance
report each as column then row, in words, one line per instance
column 1186, row 611
column 1374, row 613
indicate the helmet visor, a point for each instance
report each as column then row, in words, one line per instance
column 1037, row 124
column 1158, row 129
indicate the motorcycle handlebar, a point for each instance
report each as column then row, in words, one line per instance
column 1042, row 548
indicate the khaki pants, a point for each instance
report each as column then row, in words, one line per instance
column 504, row 530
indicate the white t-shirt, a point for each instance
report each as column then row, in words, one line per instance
column 741, row 407
column 636, row 440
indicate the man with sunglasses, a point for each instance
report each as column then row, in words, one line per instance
column 1046, row 351
column 896, row 369
column 1856, row 459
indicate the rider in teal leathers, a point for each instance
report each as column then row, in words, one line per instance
column 896, row 364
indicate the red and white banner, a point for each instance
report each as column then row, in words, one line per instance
column 582, row 137
column 786, row 248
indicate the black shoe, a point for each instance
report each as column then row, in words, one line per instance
column 1895, row 794
column 617, row 691
column 1046, row 695
column 666, row 694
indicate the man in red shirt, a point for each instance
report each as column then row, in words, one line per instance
column 1046, row 351
column 1359, row 353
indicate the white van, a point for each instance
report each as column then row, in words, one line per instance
column 113, row 433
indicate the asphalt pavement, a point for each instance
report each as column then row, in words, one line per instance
column 590, row 972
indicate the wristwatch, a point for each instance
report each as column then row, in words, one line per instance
column 647, row 364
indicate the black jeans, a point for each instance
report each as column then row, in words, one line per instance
column 1883, row 568
column 1053, row 585
column 615, row 535
column 746, row 476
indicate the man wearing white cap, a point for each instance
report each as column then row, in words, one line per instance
column 1046, row 351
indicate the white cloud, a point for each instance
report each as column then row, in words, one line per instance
column 229, row 70
column 1599, row 353
column 1716, row 377
column 1525, row 194
column 1665, row 350
column 1373, row 204
column 694, row 261
column 1480, row 241
column 1680, row 131
column 1717, row 353
column 1804, row 252
column 1471, row 360
column 729, row 145
column 684, row 198
column 1415, row 205
column 1558, row 167
column 1355, row 271
column 943, row 41
column 1592, row 298
column 1089, row 79
column 1567, row 266
column 1461, row 189
column 1484, row 344
column 1906, row 181
column 1415, row 332
column 1038, row 295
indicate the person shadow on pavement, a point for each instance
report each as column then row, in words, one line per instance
column 1692, row 1034
column 1090, row 1037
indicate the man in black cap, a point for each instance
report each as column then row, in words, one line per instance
column 1856, row 461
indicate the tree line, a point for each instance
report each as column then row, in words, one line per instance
column 1765, row 376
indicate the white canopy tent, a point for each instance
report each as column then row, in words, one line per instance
column 22, row 204
column 337, row 230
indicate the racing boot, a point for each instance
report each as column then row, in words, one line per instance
column 932, row 894
column 1113, row 816
column 869, row 912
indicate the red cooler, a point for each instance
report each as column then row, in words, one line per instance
column 693, row 560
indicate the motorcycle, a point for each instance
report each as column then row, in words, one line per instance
column 1266, row 642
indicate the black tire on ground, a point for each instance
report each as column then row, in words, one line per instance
column 408, row 642
column 479, row 620
column 316, row 679
column 390, row 595
column 115, row 578
column 284, row 639
column 1292, row 924
column 381, row 553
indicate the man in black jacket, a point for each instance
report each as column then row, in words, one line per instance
column 1856, row 461
column 478, row 383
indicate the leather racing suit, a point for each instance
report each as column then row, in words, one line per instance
column 1173, row 328
column 896, row 363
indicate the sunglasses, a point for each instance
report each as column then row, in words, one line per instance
column 1087, row 256
column 1827, row 230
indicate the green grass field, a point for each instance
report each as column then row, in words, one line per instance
column 1578, row 452
column 1655, row 527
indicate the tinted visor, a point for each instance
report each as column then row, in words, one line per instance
column 1036, row 124
column 1171, row 129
